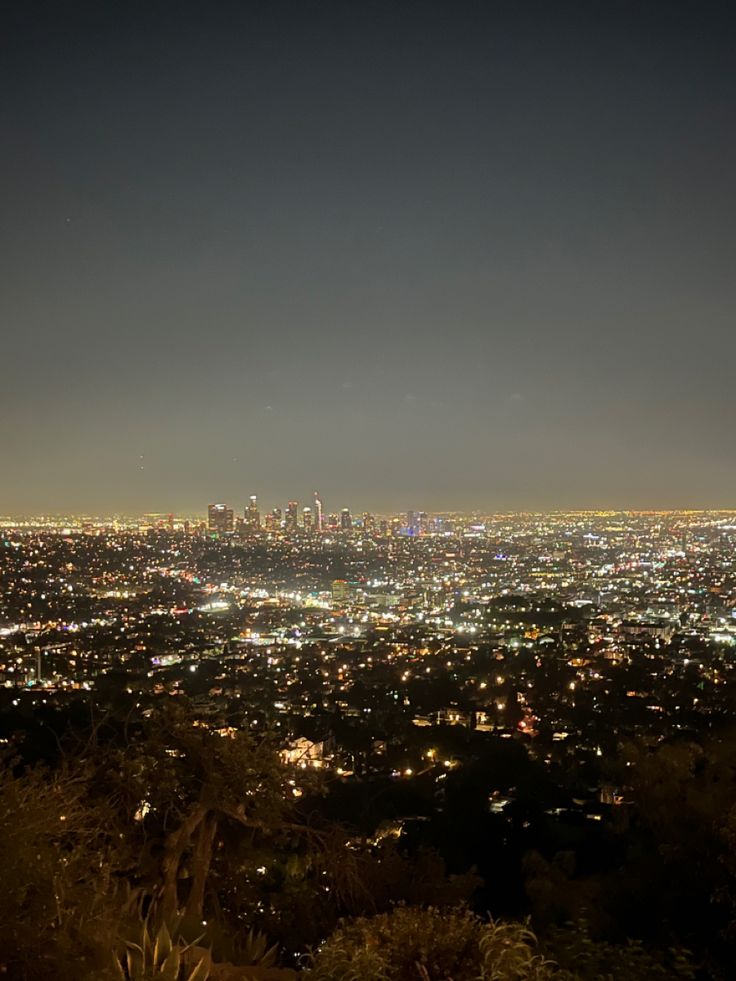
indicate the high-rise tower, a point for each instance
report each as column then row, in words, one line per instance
column 252, row 515
column 220, row 519
column 291, row 522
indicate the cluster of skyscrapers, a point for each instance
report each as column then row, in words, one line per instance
column 222, row 520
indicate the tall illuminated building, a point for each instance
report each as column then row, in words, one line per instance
column 346, row 521
column 369, row 523
column 252, row 515
column 308, row 520
column 220, row 520
column 291, row 522
column 318, row 514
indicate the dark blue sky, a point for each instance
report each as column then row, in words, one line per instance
column 435, row 255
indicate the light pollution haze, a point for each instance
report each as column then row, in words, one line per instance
column 413, row 254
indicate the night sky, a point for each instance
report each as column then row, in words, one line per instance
column 416, row 255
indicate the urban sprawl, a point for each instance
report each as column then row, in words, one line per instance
column 386, row 647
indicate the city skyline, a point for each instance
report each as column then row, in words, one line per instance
column 241, row 510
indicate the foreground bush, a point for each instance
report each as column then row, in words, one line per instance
column 412, row 944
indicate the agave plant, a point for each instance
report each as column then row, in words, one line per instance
column 255, row 952
column 158, row 957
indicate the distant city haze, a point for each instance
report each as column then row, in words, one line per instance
column 441, row 256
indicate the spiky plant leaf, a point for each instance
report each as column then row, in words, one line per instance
column 169, row 970
column 135, row 961
column 270, row 956
column 162, row 945
column 254, row 947
column 201, row 971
